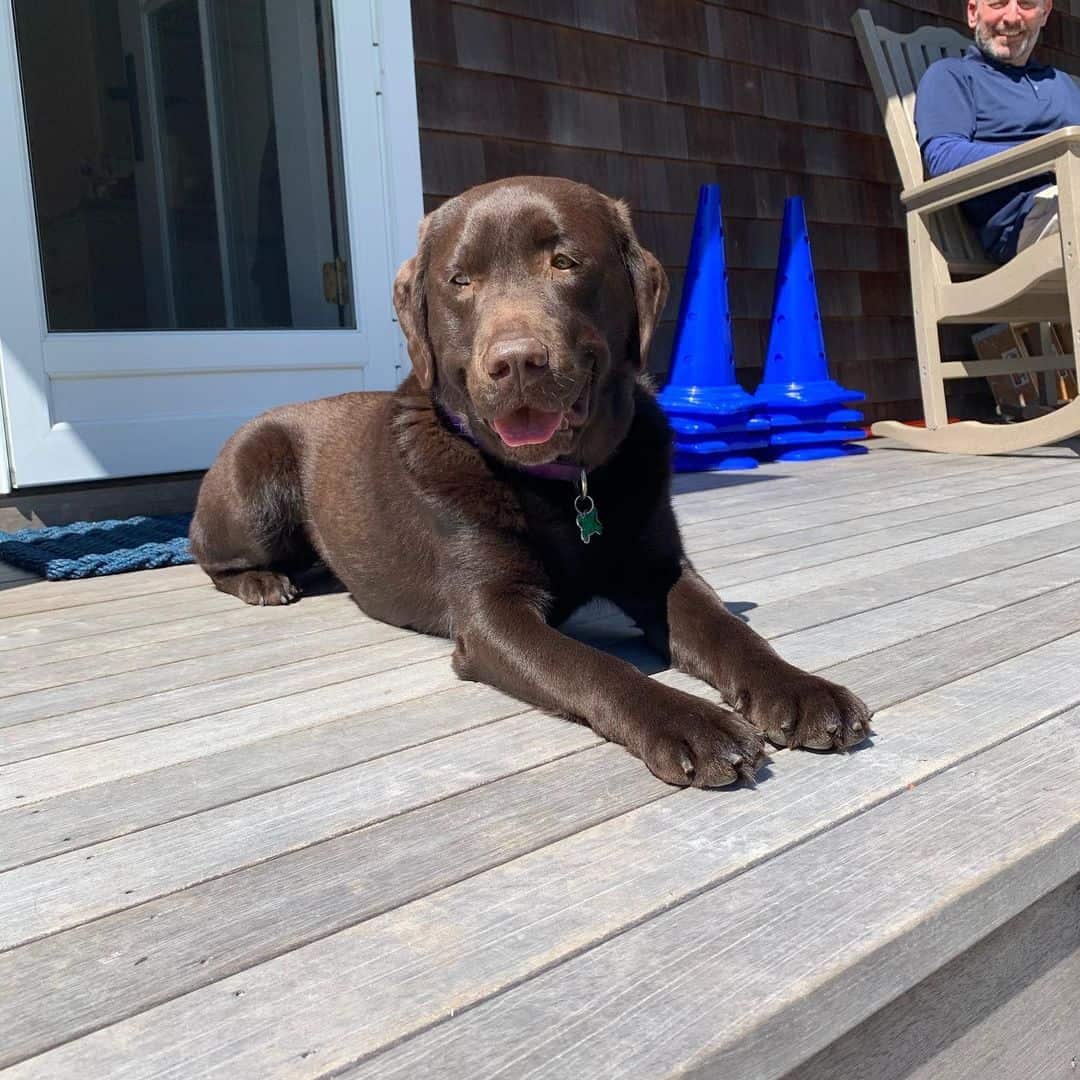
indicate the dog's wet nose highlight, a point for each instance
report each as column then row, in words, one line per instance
column 522, row 357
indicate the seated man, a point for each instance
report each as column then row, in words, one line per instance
column 993, row 98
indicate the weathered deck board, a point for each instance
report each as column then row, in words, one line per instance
column 932, row 497
column 1045, row 560
column 939, row 643
column 904, row 524
column 793, row 488
column 47, row 626
column 494, row 930
column 56, row 595
column 759, row 519
column 202, row 914
column 88, row 724
column 203, row 613
column 952, row 652
column 961, row 631
column 903, row 546
column 45, row 897
column 337, row 691
column 1007, row 1007
column 43, row 737
column 996, row 636
column 359, row 846
column 305, row 896
column 721, row 987
column 863, row 593
column 846, row 571
column 89, row 815
column 233, row 627
column 208, row 636
column 206, row 920
column 304, row 642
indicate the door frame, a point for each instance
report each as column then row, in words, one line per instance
column 5, row 471
column 384, row 204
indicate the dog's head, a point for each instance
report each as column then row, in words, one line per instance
column 528, row 310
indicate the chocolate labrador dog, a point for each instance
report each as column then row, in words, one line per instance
column 521, row 469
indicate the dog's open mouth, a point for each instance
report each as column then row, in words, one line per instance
column 527, row 426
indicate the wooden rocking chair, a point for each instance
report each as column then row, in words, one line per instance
column 952, row 281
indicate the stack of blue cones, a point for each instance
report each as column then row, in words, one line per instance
column 806, row 410
column 711, row 416
column 797, row 413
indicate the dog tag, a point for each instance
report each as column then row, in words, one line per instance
column 588, row 522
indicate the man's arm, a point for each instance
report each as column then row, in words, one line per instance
column 945, row 122
column 944, row 153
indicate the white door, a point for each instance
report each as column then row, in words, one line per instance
column 205, row 203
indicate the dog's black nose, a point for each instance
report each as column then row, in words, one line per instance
column 522, row 357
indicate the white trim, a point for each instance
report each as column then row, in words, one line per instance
column 401, row 127
column 390, row 112
column 22, row 298
column 5, row 471
column 87, row 355
column 384, row 204
column 404, row 204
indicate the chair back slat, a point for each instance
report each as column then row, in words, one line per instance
column 896, row 63
column 903, row 79
column 917, row 60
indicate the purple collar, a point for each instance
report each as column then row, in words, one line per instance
column 552, row 470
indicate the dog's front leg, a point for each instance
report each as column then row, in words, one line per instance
column 685, row 619
column 502, row 639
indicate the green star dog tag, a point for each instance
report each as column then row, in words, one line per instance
column 588, row 522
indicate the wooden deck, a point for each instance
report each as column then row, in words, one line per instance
column 243, row 842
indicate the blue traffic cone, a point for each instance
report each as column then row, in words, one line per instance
column 712, row 416
column 802, row 403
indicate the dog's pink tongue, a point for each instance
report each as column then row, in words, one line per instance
column 525, row 427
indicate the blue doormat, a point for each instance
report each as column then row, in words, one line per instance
column 96, row 548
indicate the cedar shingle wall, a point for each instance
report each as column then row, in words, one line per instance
column 648, row 99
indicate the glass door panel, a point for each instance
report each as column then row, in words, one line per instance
column 162, row 201
column 184, row 173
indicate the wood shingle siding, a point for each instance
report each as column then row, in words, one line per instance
column 647, row 100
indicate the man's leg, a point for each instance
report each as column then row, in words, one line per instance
column 1042, row 219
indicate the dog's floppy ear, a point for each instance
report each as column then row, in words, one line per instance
column 410, row 303
column 648, row 277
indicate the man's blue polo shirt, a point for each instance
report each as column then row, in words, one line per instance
column 972, row 107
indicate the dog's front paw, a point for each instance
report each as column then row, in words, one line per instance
column 702, row 745
column 799, row 709
column 263, row 588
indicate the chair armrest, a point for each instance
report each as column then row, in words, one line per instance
column 1032, row 158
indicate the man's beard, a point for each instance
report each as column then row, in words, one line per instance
column 984, row 39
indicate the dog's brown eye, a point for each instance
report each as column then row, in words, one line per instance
column 460, row 279
column 563, row 262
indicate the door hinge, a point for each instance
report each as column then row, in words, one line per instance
column 335, row 278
